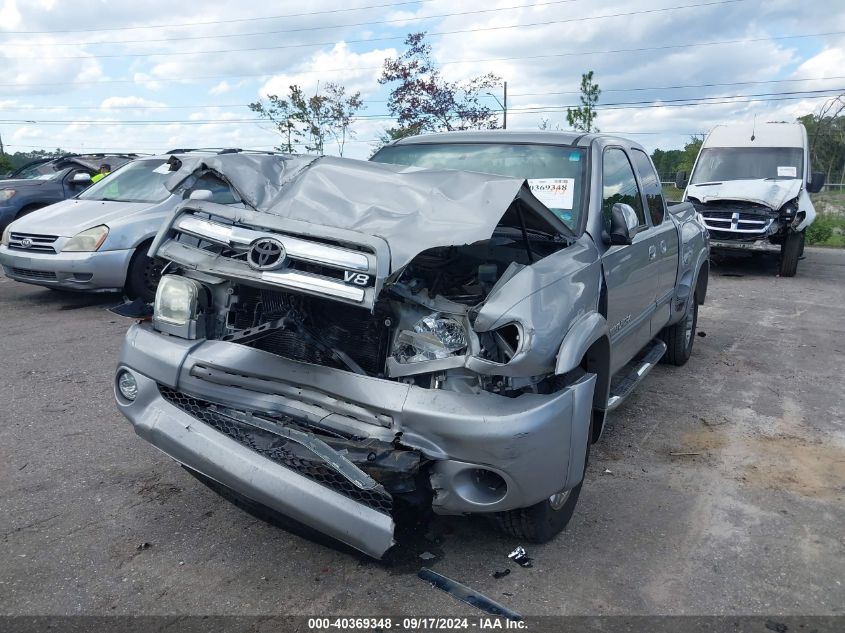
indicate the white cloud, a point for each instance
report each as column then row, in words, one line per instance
column 129, row 102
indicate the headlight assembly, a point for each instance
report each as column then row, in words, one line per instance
column 6, row 232
column 433, row 337
column 176, row 307
column 88, row 240
column 7, row 194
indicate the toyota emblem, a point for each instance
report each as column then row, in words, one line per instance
column 26, row 242
column 266, row 254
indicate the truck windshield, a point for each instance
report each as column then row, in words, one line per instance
column 556, row 174
column 748, row 163
column 140, row 181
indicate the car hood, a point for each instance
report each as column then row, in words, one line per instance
column 69, row 217
column 20, row 183
column 410, row 208
column 771, row 193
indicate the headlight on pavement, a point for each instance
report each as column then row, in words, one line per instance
column 88, row 240
column 127, row 385
column 7, row 194
column 433, row 337
column 176, row 301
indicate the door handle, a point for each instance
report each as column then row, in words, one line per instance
column 652, row 251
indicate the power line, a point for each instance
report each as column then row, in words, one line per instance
column 228, row 21
column 442, row 63
column 632, row 105
column 377, row 39
column 310, row 28
column 370, row 101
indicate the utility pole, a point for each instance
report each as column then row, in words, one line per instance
column 503, row 106
column 1, row 144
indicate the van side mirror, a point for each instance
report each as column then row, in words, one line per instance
column 623, row 221
column 681, row 180
column 816, row 182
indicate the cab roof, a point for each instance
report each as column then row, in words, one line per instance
column 570, row 139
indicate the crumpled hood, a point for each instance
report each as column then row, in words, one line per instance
column 412, row 209
column 771, row 193
column 69, row 217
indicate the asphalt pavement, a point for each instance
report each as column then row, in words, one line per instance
column 718, row 487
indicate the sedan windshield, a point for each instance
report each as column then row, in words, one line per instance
column 141, row 181
column 717, row 164
column 555, row 174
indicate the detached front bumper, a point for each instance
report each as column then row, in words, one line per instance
column 530, row 447
column 758, row 246
column 101, row 270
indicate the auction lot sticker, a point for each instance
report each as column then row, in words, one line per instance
column 555, row 193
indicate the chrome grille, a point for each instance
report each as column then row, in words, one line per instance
column 736, row 222
column 317, row 266
column 32, row 242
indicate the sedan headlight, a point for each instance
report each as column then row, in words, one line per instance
column 7, row 194
column 435, row 336
column 176, row 301
column 88, row 240
column 6, row 233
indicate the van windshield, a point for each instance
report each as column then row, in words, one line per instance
column 555, row 174
column 141, row 181
column 748, row 163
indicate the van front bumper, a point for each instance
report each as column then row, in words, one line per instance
column 100, row 270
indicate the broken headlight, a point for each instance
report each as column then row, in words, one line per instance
column 176, row 307
column 433, row 337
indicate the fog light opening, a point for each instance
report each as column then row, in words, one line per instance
column 127, row 385
column 481, row 486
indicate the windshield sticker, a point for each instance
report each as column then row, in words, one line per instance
column 555, row 193
column 574, row 157
column 789, row 171
column 162, row 169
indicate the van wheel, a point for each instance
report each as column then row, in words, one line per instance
column 143, row 275
column 680, row 337
column 790, row 251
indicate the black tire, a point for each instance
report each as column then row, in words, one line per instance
column 790, row 251
column 543, row 521
column 143, row 275
column 679, row 338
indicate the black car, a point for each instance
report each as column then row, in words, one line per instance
column 47, row 181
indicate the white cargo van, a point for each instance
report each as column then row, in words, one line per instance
column 750, row 182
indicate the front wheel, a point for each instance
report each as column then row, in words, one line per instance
column 143, row 275
column 790, row 251
column 543, row 521
column 680, row 337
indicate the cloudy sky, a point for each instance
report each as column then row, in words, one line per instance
column 148, row 76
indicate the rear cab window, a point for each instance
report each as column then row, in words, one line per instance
column 556, row 174
column 652, row 188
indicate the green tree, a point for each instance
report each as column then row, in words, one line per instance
column 422, row 100
column 310, row 121
column 5, row 164
column 582, row 118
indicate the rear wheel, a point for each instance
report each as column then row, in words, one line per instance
column 680, row 337
column 143, row 275
column 790, row 251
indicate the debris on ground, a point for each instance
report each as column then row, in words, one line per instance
column 501, row 574
column 135, row 309
column 702, row 334
column 465, row 594
column 690, row 454
column 520, row 557
column 427, row 556
column 607, row 471
column 777, row 627
column 144, row 545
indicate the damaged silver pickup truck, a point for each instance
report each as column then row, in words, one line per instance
column 364, row 341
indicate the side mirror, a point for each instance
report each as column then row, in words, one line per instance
column 623, row 221
column 816, row 182
column 201, row 194
column 681, row 180
column 81, row 178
